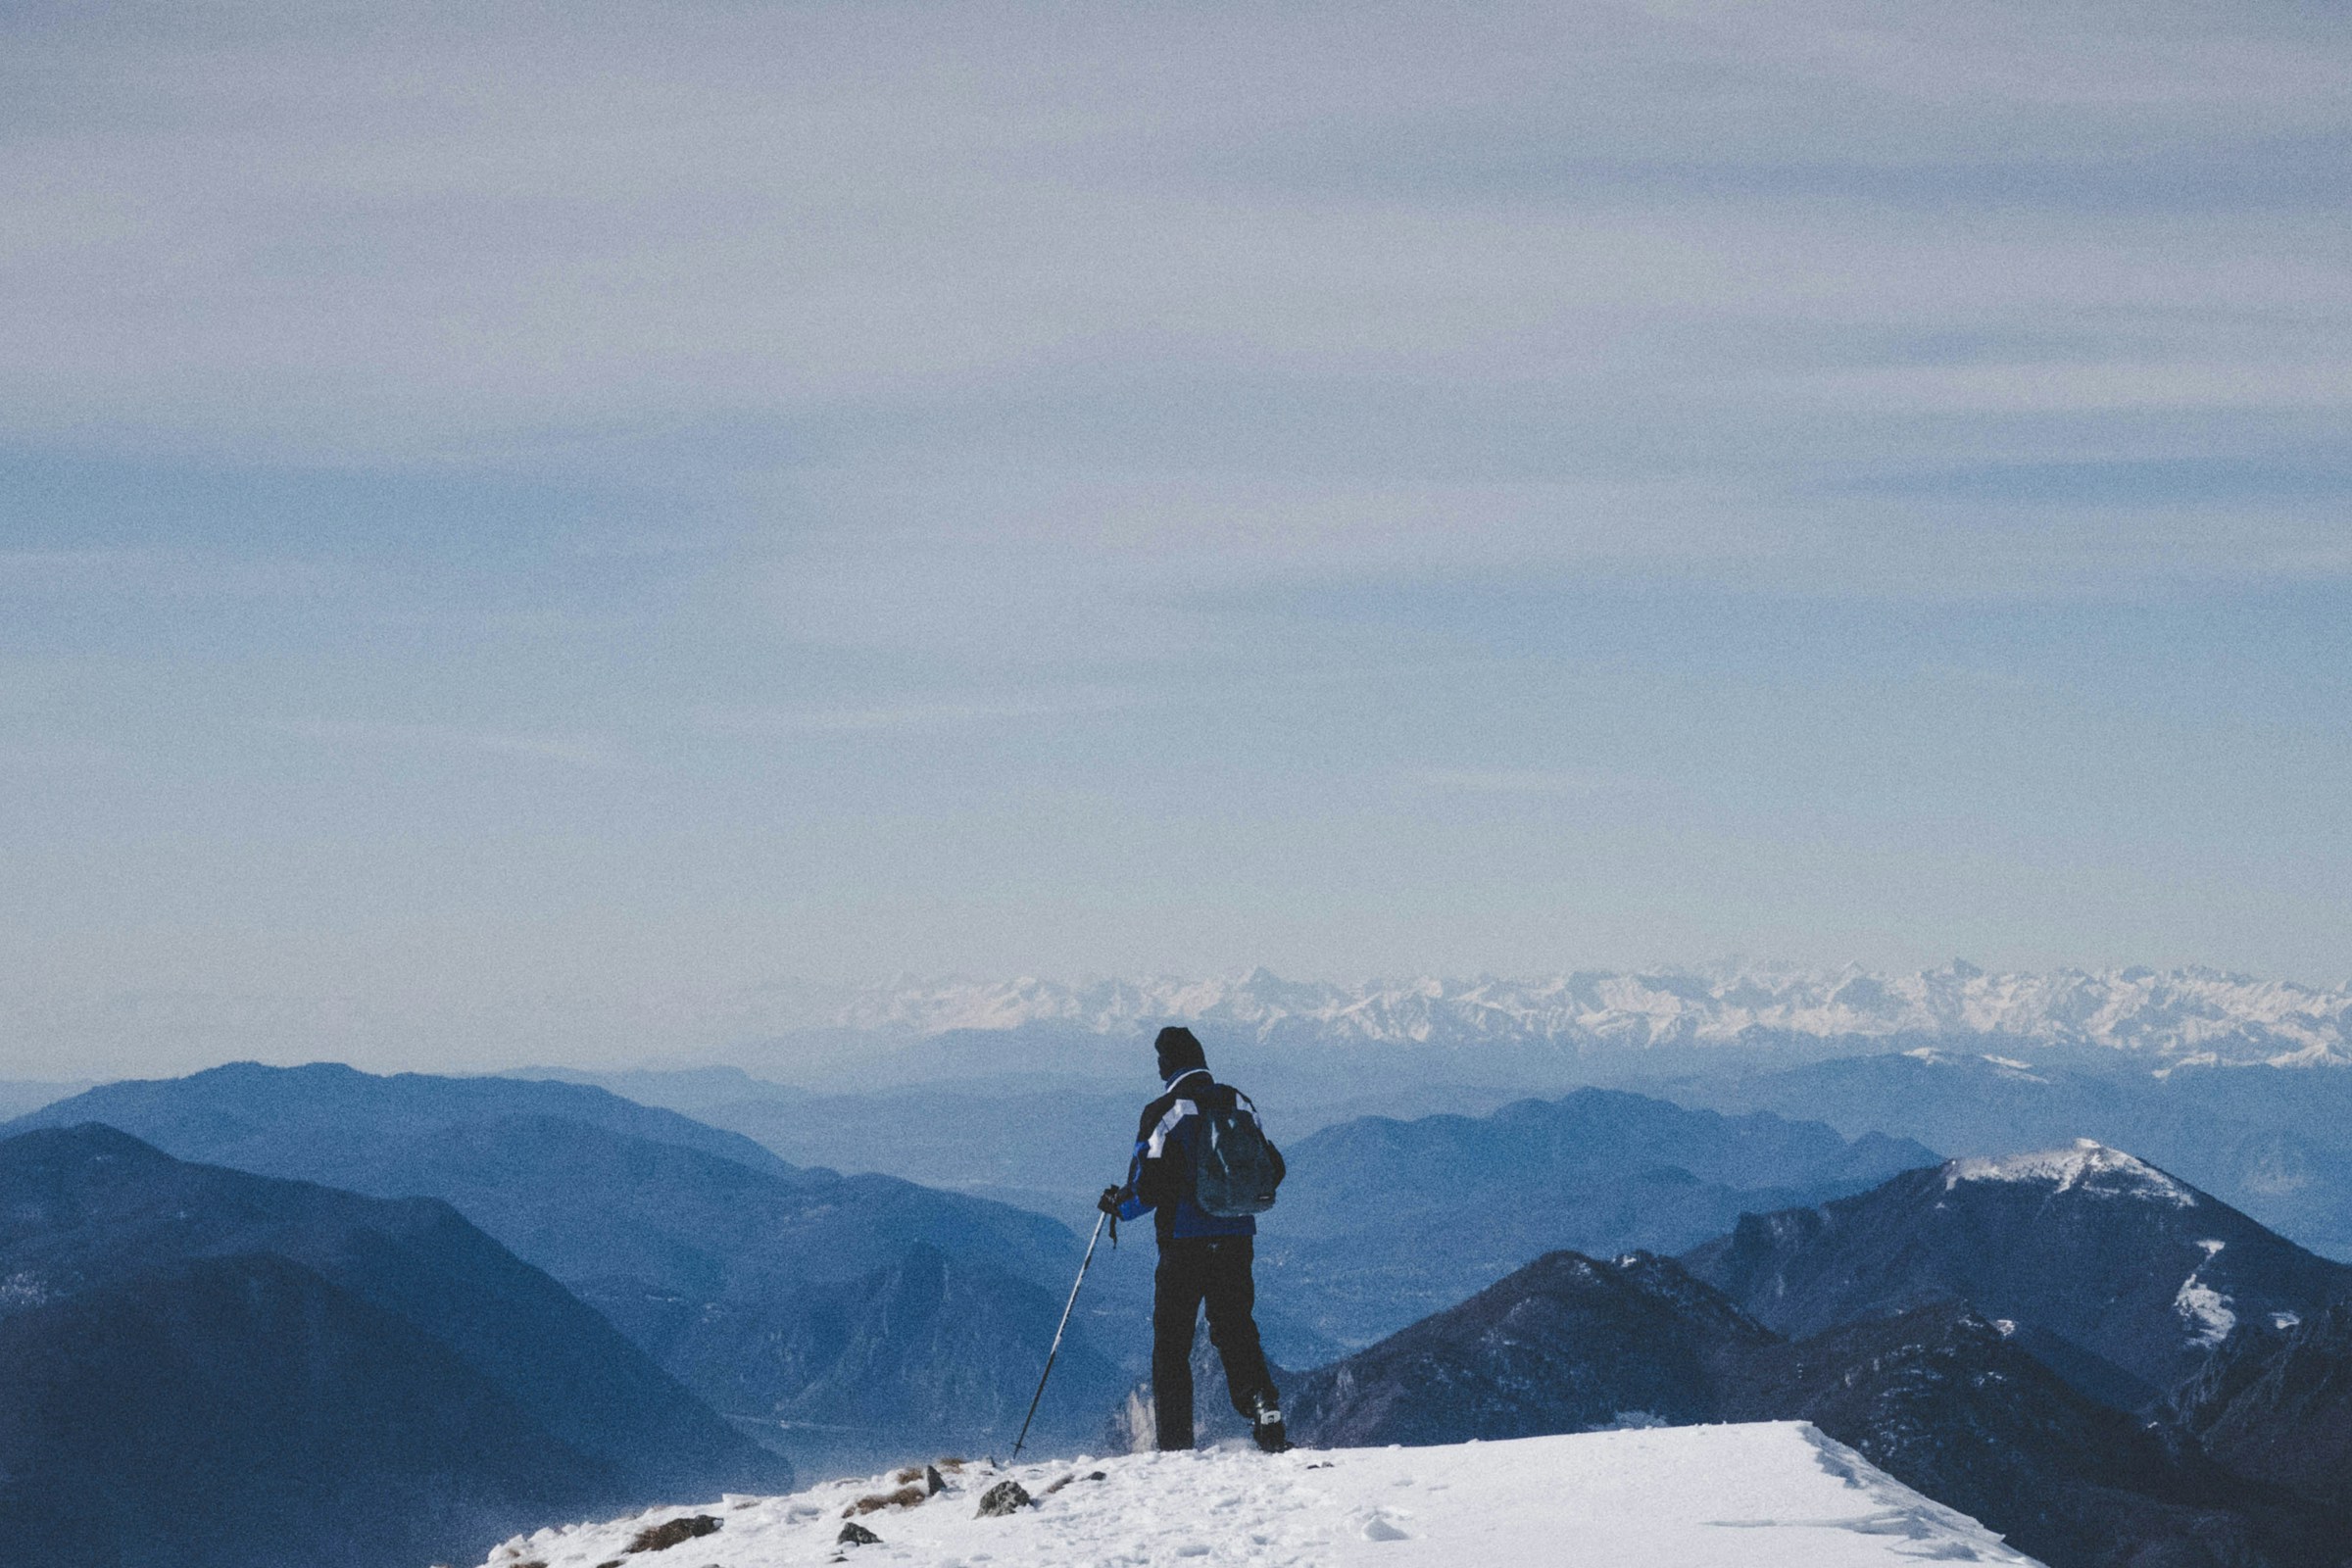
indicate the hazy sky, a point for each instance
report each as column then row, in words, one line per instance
column 521, row 522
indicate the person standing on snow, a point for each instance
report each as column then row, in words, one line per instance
column 1204, row 1258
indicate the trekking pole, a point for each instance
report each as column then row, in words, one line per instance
column 1066, row 1308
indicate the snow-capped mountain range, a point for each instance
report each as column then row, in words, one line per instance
column 2181, row 1016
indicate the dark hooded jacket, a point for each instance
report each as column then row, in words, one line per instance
column 1159, row 1176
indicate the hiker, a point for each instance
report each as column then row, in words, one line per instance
column 1205, row 1252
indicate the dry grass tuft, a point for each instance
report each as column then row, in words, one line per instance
column 662, row 1537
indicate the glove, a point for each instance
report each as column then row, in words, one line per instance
column 1108, row 1203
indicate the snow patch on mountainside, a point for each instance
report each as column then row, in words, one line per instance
column 2206, row 1311
column 2089, row 1166
column 1770, row 1495
column 2178, row 1016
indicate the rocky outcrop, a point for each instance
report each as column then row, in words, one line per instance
column 214, row 1369
column 2276, row 1406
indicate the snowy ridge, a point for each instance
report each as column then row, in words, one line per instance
column 2089, row 1166
column 1767, row 1495
column 2181, row 1016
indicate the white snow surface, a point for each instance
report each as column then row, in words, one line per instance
column 1768, row 1496
column 2090, row 1165
column 2175, row 1016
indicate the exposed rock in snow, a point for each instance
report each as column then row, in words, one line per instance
column 1768, row 1496
column 2275, row 1404
column 1002, row 1499
column 2091, row 1166
column 2176, row 1015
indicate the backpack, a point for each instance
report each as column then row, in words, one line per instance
column 1233, row 1164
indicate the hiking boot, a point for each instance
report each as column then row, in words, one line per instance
column 1268, row 1429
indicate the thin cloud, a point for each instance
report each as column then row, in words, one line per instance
column 1519, row 781
column 569, row 750
column 902, row 716
column 1090, row 280
column 161, row 574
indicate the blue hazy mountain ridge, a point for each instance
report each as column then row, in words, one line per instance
column 168, row 1320
column 1939, row 1398
column 21, row 1096
column 929, row 1353
column 1382, row 1221
column 244, row 1412
column 1043, row 1141
column 2117, row 1276
column 1046, row 1140
column 2273, row 1141
column 748, row 1278
column 320, row 1122
column 852, row 1316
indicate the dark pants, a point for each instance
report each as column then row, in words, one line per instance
column 1212, row 1270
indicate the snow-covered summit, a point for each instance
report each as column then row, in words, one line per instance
column 2090, row 1166
column 2177, row 1015
column 1772, row 1496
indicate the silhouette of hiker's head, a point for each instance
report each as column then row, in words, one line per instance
column 1178, row 1051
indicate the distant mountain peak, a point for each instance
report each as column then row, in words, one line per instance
column 2089, row 1166
column 2122, row 1278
